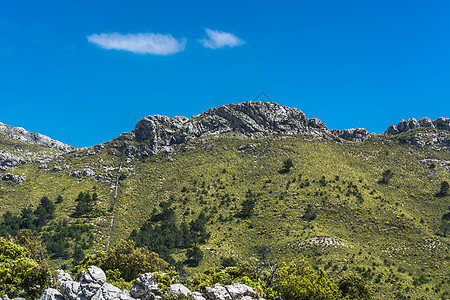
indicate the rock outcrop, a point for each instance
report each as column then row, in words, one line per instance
column 18, row 133
column 248, row 119
column 20, row 146
column 353, row 134
column 403, row 125
column 14, row 178
column 93, row 286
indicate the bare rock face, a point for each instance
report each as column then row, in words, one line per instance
column 249, row 119
column 353, row 134
column 178, row 288
column 18, row 133
column 14, row 155
column 403, row 126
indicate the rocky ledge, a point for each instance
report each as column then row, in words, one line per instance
column 93, row 286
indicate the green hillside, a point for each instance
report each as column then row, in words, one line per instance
column 330, row 207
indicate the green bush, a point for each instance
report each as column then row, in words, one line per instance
column 300, row 281
column 125, row 260
column 354, row 287
column 20, row 275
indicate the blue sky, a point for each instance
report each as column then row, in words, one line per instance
column 83, row 72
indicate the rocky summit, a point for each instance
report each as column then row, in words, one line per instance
column 19, row 146
column 249, row 119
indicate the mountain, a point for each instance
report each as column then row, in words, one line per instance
column 18, row 146
column 256, row 180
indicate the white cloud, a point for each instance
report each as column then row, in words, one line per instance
column 141, row 43
column 219, row 39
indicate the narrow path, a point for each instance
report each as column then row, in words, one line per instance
column 114, row 206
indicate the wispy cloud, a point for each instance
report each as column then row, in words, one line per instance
column 141, row 43
column 219, row 39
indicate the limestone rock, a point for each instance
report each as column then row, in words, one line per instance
column 249, row 119
column 145, row 288
column 110, row 292
column 239, row 290
column 178, row 288
column 218, row 292
column 51, row 294
column 406, row 125
column 63, row 276
column 70, row 290
column 89, row 172
column 198, row 296
column 353, row 134
column 91, row 281
column 18, row 133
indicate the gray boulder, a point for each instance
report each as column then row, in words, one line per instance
column 91, row 281
column 218, row 292
column 63, row 276
column 51, row 294
column 110, row 292
column 145, row 288
column 178, row 288
column 70, row 290
column 198, row 296
column 239, row 290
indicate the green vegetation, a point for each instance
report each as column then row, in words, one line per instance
column 329, row 209
column 444, row 189
column 20, row 274
column 124, row 263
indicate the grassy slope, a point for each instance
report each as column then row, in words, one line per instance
column 392, row 232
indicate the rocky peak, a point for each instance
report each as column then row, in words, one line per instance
column 403, row 126
column 250, row 119
column 19, row 133
column 13, row 154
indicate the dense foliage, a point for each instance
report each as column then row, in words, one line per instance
column 124, row 262
column 162, row 234
column 20, row 274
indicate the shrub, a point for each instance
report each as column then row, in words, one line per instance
column 300, row 281
column 387, row 175
column 444, row 189
column 130, row 262
column 20, row 275
column 354, row 287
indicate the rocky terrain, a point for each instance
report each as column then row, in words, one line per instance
column 19, row 146
column 93, row 286
column 404, row 126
